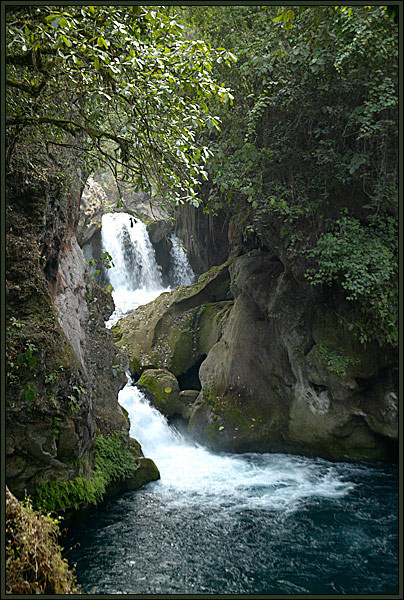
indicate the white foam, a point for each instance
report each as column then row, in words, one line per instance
column 190, row 473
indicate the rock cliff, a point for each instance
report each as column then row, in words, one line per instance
column 63, row 369
column 273, row 368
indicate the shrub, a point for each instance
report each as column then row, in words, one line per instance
column 34, row 564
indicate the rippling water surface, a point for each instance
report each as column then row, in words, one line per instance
column 247, row 524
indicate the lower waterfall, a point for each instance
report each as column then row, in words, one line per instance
column 230, row 524
column 239, row 524
column 269, row 481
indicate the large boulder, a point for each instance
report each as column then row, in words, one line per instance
column 286, row 376
column 171, row 332
column 164, row 390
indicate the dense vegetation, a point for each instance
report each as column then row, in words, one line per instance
column 117, row 86
column 34, row 564
column 307, row 155
column 113, row 461
column 288, row 116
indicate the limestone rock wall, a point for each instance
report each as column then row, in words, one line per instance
column 275, row 369
column 205, row 237
column 63, row 368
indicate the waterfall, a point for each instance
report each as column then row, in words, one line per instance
column 135, row 276
column 187, row 468
column 265, row 524
column 190, row 473
column 181, row 272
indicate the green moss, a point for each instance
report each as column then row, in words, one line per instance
column 135, row 366
column 338, row 349
column 333, row 359
column 212, row 318
column 164, row 386
column 113, row 460
column 181, row 349
column 147, row 471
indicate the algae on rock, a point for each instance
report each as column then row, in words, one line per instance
column 164, row 390
column 164, row 334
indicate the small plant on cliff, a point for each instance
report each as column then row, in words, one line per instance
column 34, row 564
column 364, row 260
column 117, row 369
column 113, row 460
column 334, row 359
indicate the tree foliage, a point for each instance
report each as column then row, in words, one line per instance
column 307, row 156
column 119, row 86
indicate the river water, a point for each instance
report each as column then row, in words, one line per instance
column 239, row 524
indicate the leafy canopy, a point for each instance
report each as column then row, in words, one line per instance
column 119, row 86
column 307, row 157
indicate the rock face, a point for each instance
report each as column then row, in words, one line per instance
column 171, row 332
column 93, row 204
column 204, row 236
column 63, row 368
column 277, row 372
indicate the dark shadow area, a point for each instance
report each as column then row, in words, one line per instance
column 190, row 380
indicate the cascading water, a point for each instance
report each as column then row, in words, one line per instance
column 135, row 276
column 271, row 481
column 238, row 524
column 181, row 272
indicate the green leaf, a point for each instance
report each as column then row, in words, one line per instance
column 55, row 23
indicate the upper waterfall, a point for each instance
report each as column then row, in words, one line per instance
column 181, row 272
column 135, row 275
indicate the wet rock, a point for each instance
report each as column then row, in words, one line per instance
column 286, row 376
column 164, row 334
column 164, row 390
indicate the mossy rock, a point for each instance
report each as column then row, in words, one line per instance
column 336, row 434
column 211, row 319
column 340, row 351
column 165, row 389
column 163, row 333
column 234, row 421
column 146, row 472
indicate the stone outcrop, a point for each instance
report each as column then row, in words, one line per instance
column 63, row 368
column 171, row 332
column 165, row 391
column 93, row 204
column 204, row 235
column 277, row 371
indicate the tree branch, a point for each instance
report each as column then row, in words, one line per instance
column 31, row 89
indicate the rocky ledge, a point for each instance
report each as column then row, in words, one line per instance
column 255, row 361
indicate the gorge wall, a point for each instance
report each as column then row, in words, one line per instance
column 256, row 359
column 63, row 369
